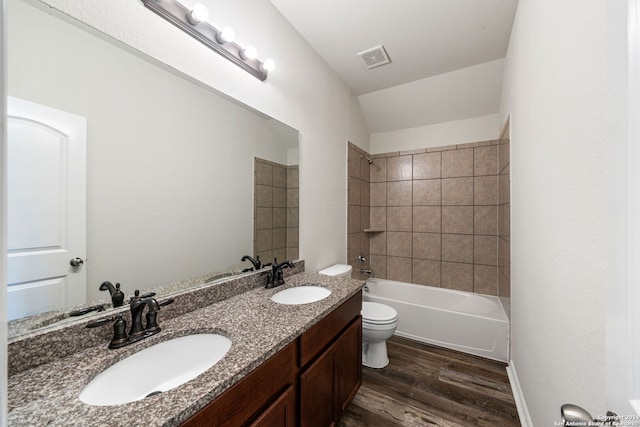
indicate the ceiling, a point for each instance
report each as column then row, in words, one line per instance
column 423, row 38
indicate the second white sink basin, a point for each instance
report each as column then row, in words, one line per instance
column 301, row 295
column 156, row 369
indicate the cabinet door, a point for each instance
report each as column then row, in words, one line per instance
column 282, row 413
column 317, row 388
column 348, row 366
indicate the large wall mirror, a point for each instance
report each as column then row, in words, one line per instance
column 170, row 165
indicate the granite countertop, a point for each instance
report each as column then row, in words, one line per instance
column 257, row 326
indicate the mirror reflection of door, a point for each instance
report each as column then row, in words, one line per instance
column 46, row 199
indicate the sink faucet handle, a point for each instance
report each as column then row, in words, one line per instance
column 99, row 322
column 166, row 302
column 119, row 333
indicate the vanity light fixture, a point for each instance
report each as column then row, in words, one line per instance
column 227, row 35
column 198, row 14
column 194, row 22
column 249, row 52
column 268, row 65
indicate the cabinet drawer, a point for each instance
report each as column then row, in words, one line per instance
column 252, row 394
column 323, row 333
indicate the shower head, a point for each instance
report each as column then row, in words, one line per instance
column 369, row 159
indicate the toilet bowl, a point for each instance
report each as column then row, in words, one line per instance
column 379, row 322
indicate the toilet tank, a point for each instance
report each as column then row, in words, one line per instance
column 337, row 270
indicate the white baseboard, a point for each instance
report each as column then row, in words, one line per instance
column 521, row 405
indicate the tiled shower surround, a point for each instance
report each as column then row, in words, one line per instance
column 433, row 215
column 276, row 211
column 504, row 216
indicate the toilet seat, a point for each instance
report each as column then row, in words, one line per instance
column 374, row 313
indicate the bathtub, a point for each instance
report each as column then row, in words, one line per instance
column 463, row 321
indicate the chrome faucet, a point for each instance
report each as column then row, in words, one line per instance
column 363, row 261
column 275, row 277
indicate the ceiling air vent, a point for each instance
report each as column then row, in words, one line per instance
column 374, row 57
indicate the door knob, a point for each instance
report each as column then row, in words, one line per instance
column 76, row 262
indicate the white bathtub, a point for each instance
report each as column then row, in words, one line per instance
column 463, row 321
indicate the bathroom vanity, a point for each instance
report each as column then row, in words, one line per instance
column 324, row 363
column 288, row 365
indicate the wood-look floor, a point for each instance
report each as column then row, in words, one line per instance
column 425, row 385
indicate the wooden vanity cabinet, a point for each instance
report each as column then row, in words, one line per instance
column 262, row 398
column 331, row 365
column 308, row 383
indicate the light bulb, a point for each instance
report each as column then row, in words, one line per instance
column 268, row 65
column 226, row 35
column 249, row 52
column 198, row 14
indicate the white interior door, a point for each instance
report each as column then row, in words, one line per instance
column 46, row 204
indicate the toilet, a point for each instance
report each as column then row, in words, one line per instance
column 379, row 322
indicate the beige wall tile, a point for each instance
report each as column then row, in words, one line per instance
column 399, row 269
column 264, row 218
column 399, row 168
column 378, row 194
column 485, row 250
column 485, row 220
column 293, row 197
column 426, row 272
column 399, row 218
column 279, row 238
column 427, row 246
column 264, row 173
column 292, row 217
column 457, row 219
column 399, row 193
column 279, row 218
column 365, row 215
column 365, row 194
column 279, row 177
column 293, row 177
column 354, row 246
column 378, row 243
column 353, row 191
column 378, row 170
column 353, row 163
column 353, row 219
column 457, row 276
column 279, row 197
column 379, row 266
column 427, row 192
column 427, row 219
column 264, row 196
column 427, row 166
column 264, row 240
column 448, row 197
column 485, row 279
column 364, row 169
column 485, row 160
column 399, row 244
column 485, row 190
column 504, row 287
column 457, row 191
column 457, row 163
column 457, row 247
column 292, row 237
column 379, row 217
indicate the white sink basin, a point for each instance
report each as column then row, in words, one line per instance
column 301, row 295
column 156, row 369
